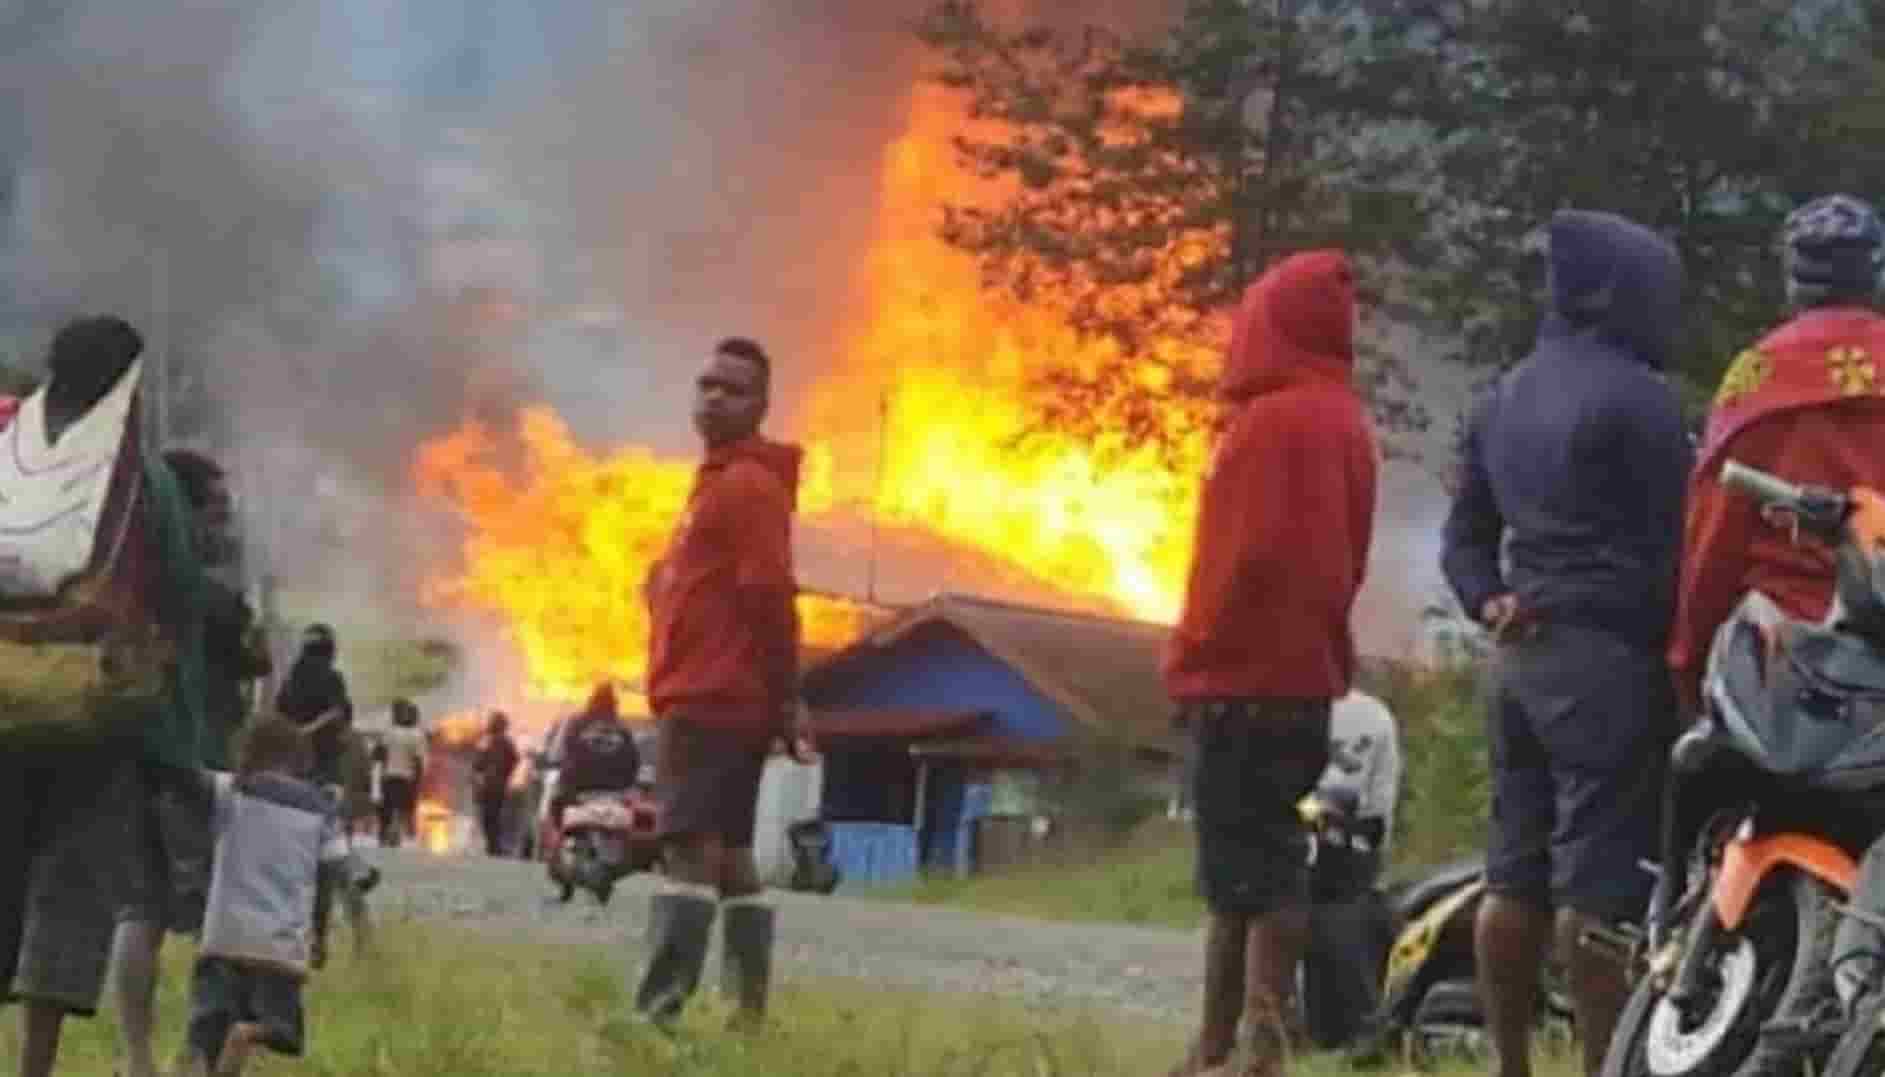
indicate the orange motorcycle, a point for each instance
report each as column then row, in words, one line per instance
column 1774, row 794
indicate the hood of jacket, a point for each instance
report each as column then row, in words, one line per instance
column 782, row 460
column 1296, row 322
column 1613, row 275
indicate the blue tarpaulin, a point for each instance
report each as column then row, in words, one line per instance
column 873, row 854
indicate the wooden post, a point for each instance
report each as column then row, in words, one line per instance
column 922, row 797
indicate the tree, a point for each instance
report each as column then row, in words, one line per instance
column 1705, row 119
column 1144, row 183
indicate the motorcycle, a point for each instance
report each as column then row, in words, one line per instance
column 1773, row 793
column 604, row 837
column 1414, row 939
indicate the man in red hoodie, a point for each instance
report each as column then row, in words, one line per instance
column 1263, row 648
column 723, row 683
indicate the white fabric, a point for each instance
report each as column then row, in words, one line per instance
column 405, row 751
column 52, row 496
column 789, row 792
column 1365, row 756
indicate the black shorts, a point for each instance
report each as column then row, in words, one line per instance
column 1579, row 724
column 1254, row 760
column 169, row 878
column 224, row 994
column 68, row 848
column 707, row 780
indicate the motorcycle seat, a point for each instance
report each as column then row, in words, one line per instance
column 1837, row 661
column 1411, row 898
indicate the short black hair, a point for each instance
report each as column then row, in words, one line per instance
column 196, row 473
column 748, row 349
column 95, row 338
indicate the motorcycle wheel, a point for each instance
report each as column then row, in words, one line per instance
column 1861, row 1051
column 1775, row 967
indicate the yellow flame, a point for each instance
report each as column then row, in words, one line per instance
column 558, row 543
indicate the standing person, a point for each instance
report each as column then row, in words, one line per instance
column 723, row 683
column 1802, row 403
column 491, row 780
column 76, row 834
column 1575, row 464
column 1263, row 646
column 314, row 697
column 403, row 765
column 1351, row 926
column 232, row 657
column 269, row 822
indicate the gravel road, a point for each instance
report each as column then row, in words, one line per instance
column 1146, row 972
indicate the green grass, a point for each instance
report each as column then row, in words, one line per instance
column 442, row 1002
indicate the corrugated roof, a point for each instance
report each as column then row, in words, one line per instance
column 1102, row 671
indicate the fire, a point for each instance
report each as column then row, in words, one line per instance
column 435, row 827
column 559, row 542
column 950, row 361
column 562, row 546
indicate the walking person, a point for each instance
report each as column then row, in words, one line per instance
column 270, row 823
column 402, row 752
column 723, row 682
column 233, row 656
column 1263, row 647
column 314, row 697
column 1574, row 468
column 78, row 840
column 491, row 780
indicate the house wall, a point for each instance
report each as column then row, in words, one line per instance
column 933, row 668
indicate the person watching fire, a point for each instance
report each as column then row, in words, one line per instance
column 723, row 684
column 491, row 772
column 1283, row 532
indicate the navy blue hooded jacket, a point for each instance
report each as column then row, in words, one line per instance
column 1577, row 460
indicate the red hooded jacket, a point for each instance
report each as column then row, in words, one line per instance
column 1804, row 404
column 724, row 645
column 1287, row 512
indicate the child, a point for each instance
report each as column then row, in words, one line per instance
column 269, row 823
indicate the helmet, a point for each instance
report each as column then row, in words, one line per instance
column 1833, row 248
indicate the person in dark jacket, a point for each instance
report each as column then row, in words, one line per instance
column 231, row 658
column 314, row 697
column 491, row 779
column 1263, row 648
column 598, row 753
column 1576, row 463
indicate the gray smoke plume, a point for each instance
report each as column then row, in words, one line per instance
column 348, row 226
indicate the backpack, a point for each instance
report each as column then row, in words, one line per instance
column 81, row 646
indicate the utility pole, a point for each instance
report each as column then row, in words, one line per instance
column 877, row 490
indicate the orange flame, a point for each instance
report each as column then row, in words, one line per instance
column 557, row 548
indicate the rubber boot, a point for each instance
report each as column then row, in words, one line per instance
column 680, row 928
column 746, row 960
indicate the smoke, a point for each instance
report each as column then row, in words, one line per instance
column 347, row 226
